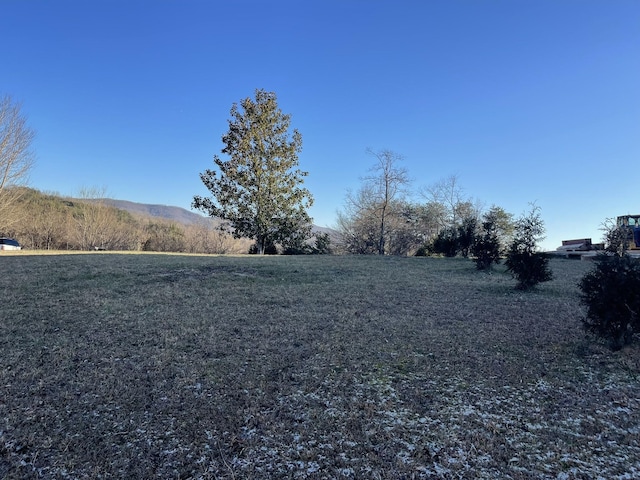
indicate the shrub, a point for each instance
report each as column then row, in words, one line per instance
column 425, row 250
column 321, row 246
column 446, row 243
column 295, row 250
column 611, row 292
column 528, row 266
column 486, row 246
column 466, row 235
column 503, row 224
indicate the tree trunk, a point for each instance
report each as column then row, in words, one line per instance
column 381, row 241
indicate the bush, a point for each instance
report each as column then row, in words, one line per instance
column 446, row 243
column 321, row 246
column 466, row 236
column 425, row 250
column 528, row 266
column 611, row 292
column 486, row 246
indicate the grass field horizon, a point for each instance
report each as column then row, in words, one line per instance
column 176, row 366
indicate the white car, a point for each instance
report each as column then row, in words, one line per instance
column 9, row 244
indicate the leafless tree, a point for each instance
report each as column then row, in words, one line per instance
column 207, row 237
column 98, row 225
column 387, row 184
column 357, row 222
column 446, row 197
column 448, row 193
column 47, row 226
column 16, row 157
column 374, row 216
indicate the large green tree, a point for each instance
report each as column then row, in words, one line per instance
column 258, row 189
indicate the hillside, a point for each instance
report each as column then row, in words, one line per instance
column 167, row 212
column 178, row 214
column 41, row 221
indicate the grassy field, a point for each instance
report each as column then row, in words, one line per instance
column 161, row 366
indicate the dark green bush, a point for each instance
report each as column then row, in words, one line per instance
column 486, row 246
column 466, row 236
column 528, row 266
column 446, row 243
column 611, row 292
column 321, row 246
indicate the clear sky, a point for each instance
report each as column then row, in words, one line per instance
column 525, row 100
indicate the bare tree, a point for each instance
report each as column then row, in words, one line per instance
column 357, row 223
column 374, row 215
column 16, row 157
column 46, row 225
column 454, row 206
column 432, row 216
column 386, row 184
column 208, row 237
column 448, row 193
column 100, row 226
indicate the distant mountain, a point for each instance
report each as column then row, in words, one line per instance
column 166, row 212
column 177, row 214
column 329, row 231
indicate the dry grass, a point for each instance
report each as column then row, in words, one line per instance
column 148, row 366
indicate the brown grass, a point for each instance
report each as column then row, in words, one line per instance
column 156, row 366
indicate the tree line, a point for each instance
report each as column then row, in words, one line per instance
column 50, row 222
column 384, row 217
column 257, row 193
column 257, row 189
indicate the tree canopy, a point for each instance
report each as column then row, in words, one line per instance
column 258, row 189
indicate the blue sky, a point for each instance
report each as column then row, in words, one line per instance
column 525, row 101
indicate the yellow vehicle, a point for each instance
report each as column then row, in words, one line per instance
column 633, row 223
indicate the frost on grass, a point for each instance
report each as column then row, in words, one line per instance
column 371, row 425
column 363, row 428
column 335, row 368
